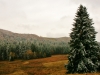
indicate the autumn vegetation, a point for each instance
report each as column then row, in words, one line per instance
column 53, row 65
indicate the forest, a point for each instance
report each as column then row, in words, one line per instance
column 29, row 46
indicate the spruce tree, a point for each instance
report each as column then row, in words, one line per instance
column 84, row 54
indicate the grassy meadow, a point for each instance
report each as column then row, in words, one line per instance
column 53, row 65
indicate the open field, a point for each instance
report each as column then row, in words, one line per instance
column 45, row 66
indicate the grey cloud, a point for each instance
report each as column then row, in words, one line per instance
column 10, row 10
column 52, row 18
column 98, row 36
column 93, row 5
column 26, row 27
column 65, row 22
column 54, row 35
column 92, row 2
column 64, row 17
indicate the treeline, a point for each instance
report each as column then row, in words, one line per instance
column 24, row 49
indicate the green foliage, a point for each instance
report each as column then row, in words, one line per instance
column 85, row 51
column 31, row 48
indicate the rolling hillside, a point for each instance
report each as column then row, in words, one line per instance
column 8, row 35
column 30, row 46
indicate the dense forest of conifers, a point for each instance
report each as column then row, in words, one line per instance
column 28, row 46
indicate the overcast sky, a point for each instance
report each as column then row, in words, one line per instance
column 48, row 18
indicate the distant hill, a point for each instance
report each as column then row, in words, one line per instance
column 30, row 46
column 10, row 36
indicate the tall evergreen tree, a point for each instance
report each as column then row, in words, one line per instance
column 84, row 55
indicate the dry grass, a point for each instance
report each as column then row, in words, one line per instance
column 55, row 64
column 19, row 72
column 46, row 66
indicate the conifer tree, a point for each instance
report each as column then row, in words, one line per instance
column 84, row 54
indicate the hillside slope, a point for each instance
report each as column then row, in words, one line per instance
column 8, row 35
column 30, row 46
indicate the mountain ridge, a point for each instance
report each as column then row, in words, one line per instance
column 5, row 34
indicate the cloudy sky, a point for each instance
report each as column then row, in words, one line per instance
column 48, row 18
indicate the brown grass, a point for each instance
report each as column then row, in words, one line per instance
column 45, row 66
